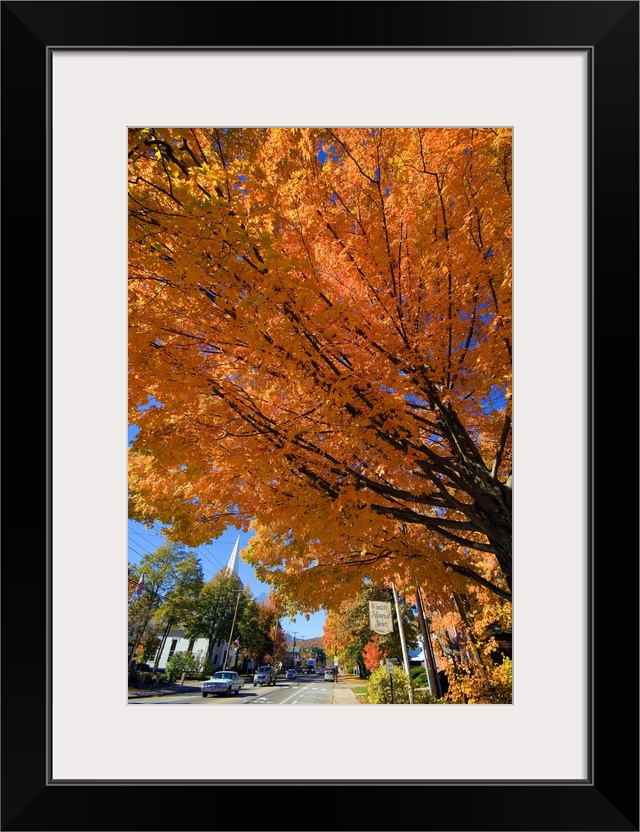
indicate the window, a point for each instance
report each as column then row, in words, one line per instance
column 174, row 644
column 190, row 647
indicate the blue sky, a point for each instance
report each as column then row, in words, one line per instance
column 213, row 557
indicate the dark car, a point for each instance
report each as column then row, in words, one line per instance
column 265, row 675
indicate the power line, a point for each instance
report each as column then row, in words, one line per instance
column 141, row 544
column 146, row 589
column 220, row 566
column 139, row 554
column 150, row 552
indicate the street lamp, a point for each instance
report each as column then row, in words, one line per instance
column 226, row 658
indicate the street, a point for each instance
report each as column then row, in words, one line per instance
column 303, row 690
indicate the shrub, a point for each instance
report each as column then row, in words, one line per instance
column 475, row 685
column 144, row 679
column 183, row 662
column 419, row 677
column 379, row 689
column 423, row 697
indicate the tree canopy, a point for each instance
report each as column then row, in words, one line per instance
column 320, row 346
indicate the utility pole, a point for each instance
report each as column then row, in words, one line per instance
column 405, row 655
column 275, row 644
column 293, row 654
column 233, row 623
column 432, row 675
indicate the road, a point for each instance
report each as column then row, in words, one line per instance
column 303, row 690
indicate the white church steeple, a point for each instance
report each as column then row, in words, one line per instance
column 234, row 560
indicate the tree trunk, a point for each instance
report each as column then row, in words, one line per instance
column 163, row 641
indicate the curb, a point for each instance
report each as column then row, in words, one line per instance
column 152, row 693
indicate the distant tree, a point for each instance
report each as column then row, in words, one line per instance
column 349, row 629
column 256, row 630
column 172, row 582
column 372, row 655
column 147, row 647
column 215, row 609
column 319, row 655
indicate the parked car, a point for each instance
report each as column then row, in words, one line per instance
column 329, row 675
column 223, row 683
column 291, row 674
column 265, row 675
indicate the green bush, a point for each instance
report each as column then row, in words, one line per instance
column 416, row 671
column 379, row 689
column 144, row 679
column 183, row 662
column 423, row 697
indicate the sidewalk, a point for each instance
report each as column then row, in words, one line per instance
column 343, row 689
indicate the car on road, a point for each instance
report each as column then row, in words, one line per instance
column 291, row 674
column 265, row 675
column 329, row 675
column 222, row 683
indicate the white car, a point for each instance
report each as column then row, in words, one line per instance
column 222, row 683
column 329, row 675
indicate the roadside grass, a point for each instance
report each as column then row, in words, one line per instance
column 361, row 694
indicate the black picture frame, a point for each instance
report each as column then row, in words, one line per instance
column 608, row 800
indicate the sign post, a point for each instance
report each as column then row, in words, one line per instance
column 390, row 666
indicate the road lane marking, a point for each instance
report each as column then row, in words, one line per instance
column 289, row 697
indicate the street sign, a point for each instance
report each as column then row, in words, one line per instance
column 380, row 620
column 390, row 665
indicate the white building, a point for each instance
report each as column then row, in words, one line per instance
column 178, row 642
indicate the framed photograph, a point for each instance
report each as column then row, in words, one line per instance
column 563, row 76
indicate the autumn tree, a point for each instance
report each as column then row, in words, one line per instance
column 318, row 654
column 372, row 655
column 320, row 344
column 349, row 633
column 172, row 581
column 147, row 646
column 477, row 662
column 257, row 632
